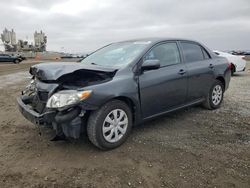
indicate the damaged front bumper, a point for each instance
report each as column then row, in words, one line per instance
column 67, row 123
column 31, row 115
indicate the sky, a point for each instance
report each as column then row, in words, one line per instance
column 81, row 26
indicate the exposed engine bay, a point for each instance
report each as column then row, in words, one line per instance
column 83, row 78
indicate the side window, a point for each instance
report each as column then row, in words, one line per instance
column 167, row 54
column 192, row 52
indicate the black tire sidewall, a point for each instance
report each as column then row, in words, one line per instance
column 213, row 106
column 233, row 69
column 16, row 61
column 99, row 124
column 232, row 72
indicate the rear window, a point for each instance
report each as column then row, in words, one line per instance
column 192, row 52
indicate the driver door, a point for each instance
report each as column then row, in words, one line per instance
column 164, row 88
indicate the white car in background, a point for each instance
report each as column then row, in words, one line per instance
column 237, row 62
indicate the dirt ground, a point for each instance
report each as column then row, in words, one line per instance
column 189, row 148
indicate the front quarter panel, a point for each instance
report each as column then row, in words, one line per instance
column 124, row 85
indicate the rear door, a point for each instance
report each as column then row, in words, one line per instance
column 5, row 57
column 8, row 58
column 166, row 87
column 1, row 58
column 200, row 68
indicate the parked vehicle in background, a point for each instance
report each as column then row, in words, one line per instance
column 238, row 63
column 244, row 53
column 121, row 85
column 19, row 56
column 65, row 56
column 9, row 58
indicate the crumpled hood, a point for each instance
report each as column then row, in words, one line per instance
column 54, row 70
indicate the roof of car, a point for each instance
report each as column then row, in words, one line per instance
column 156, row 39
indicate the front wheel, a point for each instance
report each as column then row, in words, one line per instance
column 109, row 126
column 215, row 96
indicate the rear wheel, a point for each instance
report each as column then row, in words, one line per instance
column 215, row 96
column 233, row 69
column 16, row 61
column 110, row 126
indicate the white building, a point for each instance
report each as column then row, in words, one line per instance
column 9, row 37
column 40, row 39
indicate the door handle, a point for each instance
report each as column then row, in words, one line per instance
column 181, row 72
column 211, row 66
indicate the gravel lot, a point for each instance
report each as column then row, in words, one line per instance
column 189, row 148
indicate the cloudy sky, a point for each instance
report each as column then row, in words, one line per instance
column 84, row 25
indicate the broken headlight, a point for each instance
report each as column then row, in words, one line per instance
column 67, row 98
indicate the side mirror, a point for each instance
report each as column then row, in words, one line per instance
column 150, row 64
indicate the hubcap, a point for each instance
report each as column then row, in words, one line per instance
column 115, row 125
column 217, row 95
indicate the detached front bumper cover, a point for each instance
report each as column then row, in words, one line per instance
column 33, row 116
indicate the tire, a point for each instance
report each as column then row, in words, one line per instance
column 16, row 61
column 211, row 103
column 233, row 70
column 100, row 120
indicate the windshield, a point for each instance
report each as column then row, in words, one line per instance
column 117, row 54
